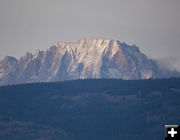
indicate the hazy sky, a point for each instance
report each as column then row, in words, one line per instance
column 27, row 25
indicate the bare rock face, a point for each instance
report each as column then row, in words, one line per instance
column 88, row 58
column 8, row 68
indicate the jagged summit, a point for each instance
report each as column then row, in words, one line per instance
column 80, row 59
column 9, row 58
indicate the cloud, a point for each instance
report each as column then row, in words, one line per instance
column 172, row 63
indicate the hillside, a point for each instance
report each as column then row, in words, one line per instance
column 89, row 110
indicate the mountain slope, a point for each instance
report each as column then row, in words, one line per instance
column 89, row 110
column 88, row 58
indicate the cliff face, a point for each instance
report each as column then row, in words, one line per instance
column 88, row 58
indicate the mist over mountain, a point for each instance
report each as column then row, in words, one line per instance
column 82, row 59
column 171, row 63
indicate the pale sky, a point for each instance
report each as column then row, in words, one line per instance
column 153, row 25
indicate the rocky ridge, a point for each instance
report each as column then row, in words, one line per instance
column 81, row 59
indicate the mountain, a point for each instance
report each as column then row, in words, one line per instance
column 100, row 109
column 88, row 58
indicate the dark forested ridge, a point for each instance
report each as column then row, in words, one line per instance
column 89, row 110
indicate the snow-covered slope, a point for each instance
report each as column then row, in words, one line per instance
column 88, row 58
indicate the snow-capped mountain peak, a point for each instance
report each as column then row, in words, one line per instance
column 80, row 59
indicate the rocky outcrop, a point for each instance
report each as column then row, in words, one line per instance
column 88, row 58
